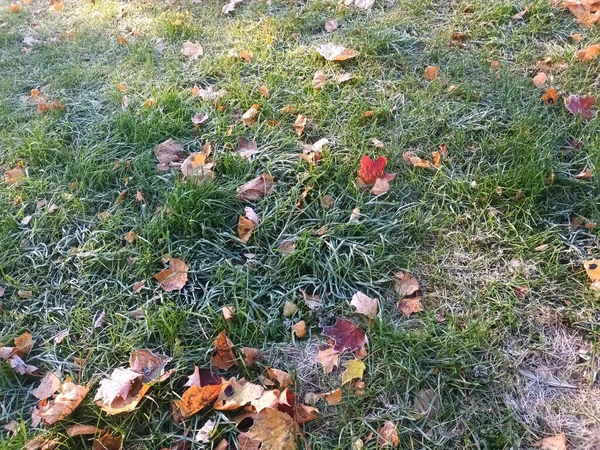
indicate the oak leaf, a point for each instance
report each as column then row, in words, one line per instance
column 364, row 305
column 275, row 429
column 333, row 52
column 347, row 336
column 175, row 277
column 223, row 356
column 255, row 189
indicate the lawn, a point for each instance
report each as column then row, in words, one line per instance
column 503, row 350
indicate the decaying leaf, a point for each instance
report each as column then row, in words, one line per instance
column 229, row 7
column 354, row 369
column 346, row 335
column 175, row 277
column 319, row 80
column 255, row 189
column 365, row 305
column 236, row 394
column 275, row 429
column 249, row 117
column 550, row 96
column 558, row 442
column 333, row 397
column 108, row 442
column 388, row 435
column 405, row 284
column 192, row 50
column 592, row 268
column 581, row 106
column 250, row 355
column 587, row 12
column 196, row 398
column 167, row 153
column 431, row 73
column 223, row 356
column 83, row 430
column 211, row 93
column 228, row 312
column 199, row 118
column 204, row 433
column 409, row 305
column 150, row 365
column 413, row 159
column 300, row 124
column 14, row 176
column 63, row 404
column 427, row 403
column 585, row 174
column 246, row 148
column 381, row 186
column 264, row 91
column 333, row 52
column 328, row 358
column 48, row 386
column 196, row 167
column 283, row 378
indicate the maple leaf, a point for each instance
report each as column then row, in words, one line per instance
column 305, row 413
column 175, row 277
column 204, row 433
column 108, row 442
column 540, row 79
column 149, row 364
column 246, row 148
column 354, row 369
column 333, row 397
column 410, row 305
column 388, row 435
column 167, row 153
column 346, row 335
column 589, row 53
column 370, row 170
column 48, row 386
column 381, row 186
column 192, row 50
column 580, row 106
column 255, row 189
column 63, row 404
column 196, row 398
column 405, row 284
column 283, row 378
column 119, row 384
column 331, row 25
column 364, row 305
column 275, row 429
column 558, row 442
column 223, row 356
column 431, row 73
column 236, row 394
column 333, row 52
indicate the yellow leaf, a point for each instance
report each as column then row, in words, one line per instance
column 354, row 369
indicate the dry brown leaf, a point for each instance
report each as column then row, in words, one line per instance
column 250, row 355
column 42, row 443
column 223, row 356
column 300, row 124
column 246, row 148
column 60, row 336
column 405, row 284
column 236, row 394
column 364, row 305
column 246, row 55
column 119, row 384
column 124, row 102
column 228, row 312
column 413, row 159
column 130, row 237
column 319, row 80
column 20, row 368
column 431, row 73
column 343, row 77
column 122, row 86
column 331, row 25
column 150, row 365
column 427, row 403
column 63, row 404
column 175, row 277
column 589, row 53
column 210, row 93
column 275, row 429
column 299, row 329
column 168, row 152
column 196, row 398
column 388, row 435
column 410, row 305
column 264, row 91
column 229, row 7
column 328, row 359
column 333, row 397
column 249, row 117
column 540, row 79
column 247, row 224
column 550, row 96
column 283, row 378
column 83, row 430
column 192, row 50
column 108, row 442
column 14, row 176
column 558, row 442
column 333, row 52
column 381, row 186
column 48, row 386
column 199, row 118
column 585, row 174
column 255, row 189
column 287, row 247
column 195, row 168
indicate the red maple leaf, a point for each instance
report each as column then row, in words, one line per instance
column 346, row 335
column 580, row 106
column 371, row 170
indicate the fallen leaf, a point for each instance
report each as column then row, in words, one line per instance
column 333, row 52
column 585, row 174
column 168, row 152
column 228, row 312
column 381, row 186
column 199, row 118
column 358, row 445
column 495, row 65
column 427, row 403
column 196, row 398
column 223, row 445
column 246, row 55
column 210, row 93
column 287, row 247
column 333, row 397
column 346, row 335
column 247, row 443
column 410, row 305
column 580, row 106
column 431, row 73
column 236, row 394
column 540, row 79
column 42, row 443
column 223, row 356
column 413, row 159
column 405, row 284
column 354, row 369
column 48, row 386
column 592, row 268
column 299, row 329
column 327, row 201
column 108, row 442
column 319, row 80
column 520, row 14
column 589, row 53
column 558, row 442
column 365, row 305
column 304, row 413
column 289, row 308
column 14, row 176
column 60, row 336
column 388, row 435
column 283, row 378
column 264, row 91
column 23, row 344
column 249, row 117
column 300, row 124
column 246, row 148
column 122, row 86
column 20, row 368
column 370, row 170
column 343, row 77
column 192, row 50
column 328, row 358
column 550, row 96
column 247, row 224
column 355, row 216
column 255, row 189
column 229, row 7
column 150, row 365
column 275, row 429
column 250, row 355
column 377, row 143
column 99, row 322
column 175, row 277
column 364, row 4
column 14, row 8
column 331, row 25
column 130, row 237
column 124, row 102
column 118, row 384
column 63, row 404
column 205, row 433
column 83, row 430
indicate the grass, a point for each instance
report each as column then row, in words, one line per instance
column 467, row 231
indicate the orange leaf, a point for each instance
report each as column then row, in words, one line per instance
column 223, row 356
column 589, row 53
column 410, row 305
column 431, row 73
column 175, row 277
column 196, row 398
column 550, row 96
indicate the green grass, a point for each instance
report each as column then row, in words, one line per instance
column 468, row 242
